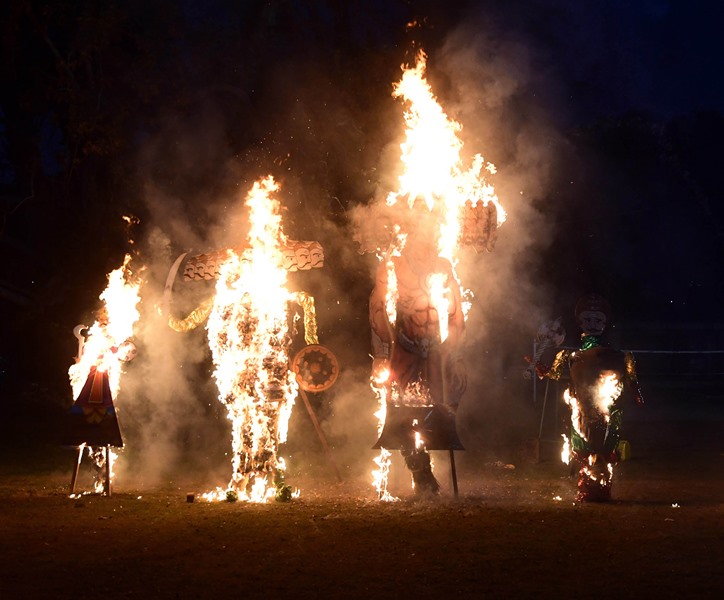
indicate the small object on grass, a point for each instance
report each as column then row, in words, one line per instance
column 190, row 497
column 284, row 493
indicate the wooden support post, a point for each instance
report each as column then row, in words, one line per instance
column 320, row 433
column 453, row 472
column 74, row 476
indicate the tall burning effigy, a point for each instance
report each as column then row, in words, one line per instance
column 601, row 379
column 418, row 306
column 95, row 377
column 250, row 339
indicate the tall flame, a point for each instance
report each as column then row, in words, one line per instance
column 435, row 187
column 249, row 340
column 433, row 168
column 115, row 325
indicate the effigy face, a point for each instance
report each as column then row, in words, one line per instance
column 592, row 322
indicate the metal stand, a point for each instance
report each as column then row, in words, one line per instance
column 543, row 410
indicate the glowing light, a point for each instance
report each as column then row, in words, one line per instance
column 113, row 327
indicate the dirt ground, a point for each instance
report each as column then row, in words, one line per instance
column 511, row 532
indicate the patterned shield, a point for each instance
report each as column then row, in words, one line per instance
column 315, row 368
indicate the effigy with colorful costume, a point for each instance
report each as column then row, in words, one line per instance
column 602, row 380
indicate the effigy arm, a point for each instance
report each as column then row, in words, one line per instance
column 559, row 364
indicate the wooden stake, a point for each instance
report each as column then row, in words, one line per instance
column 74, row 476
column 453, row 472
column 320, row 433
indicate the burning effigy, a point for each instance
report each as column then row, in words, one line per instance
column 418, row 306
column 250, row 338
column 601, row 380
column 95, row 377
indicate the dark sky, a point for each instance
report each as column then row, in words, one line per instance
column 611, row 112
column 658, row 56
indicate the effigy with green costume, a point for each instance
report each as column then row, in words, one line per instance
column 602, row 380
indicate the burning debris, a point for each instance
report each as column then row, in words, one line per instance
column 418, row 307
column 95, row 377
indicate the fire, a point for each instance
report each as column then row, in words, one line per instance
column 576, row 421
column 606, row 392
column 103, row 348
column 249, row 341
column 435, row 189
column 433, row 168
column 566, row 450
column 113, row 327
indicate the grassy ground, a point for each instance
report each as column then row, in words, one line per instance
column 512, row 532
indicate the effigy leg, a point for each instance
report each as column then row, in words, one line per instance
column 418, row 462
column 594, row 481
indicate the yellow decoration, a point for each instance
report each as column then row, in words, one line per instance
column 194, row 319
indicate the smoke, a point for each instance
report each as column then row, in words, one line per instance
column 483, row 81
column 336, row 156
column 174, row 427
column 491, row 81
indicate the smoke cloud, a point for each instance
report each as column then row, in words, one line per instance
column 336, row 156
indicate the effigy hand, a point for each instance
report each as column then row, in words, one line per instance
column 540, row 369
column 381, row 371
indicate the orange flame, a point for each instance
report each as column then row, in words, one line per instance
column 249, row 340
column 115, row 325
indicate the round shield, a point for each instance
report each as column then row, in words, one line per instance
column 127, row 351
column 315, row 368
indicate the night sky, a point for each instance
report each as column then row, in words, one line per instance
column 604, row 120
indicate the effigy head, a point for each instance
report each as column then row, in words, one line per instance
column 592, row 313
